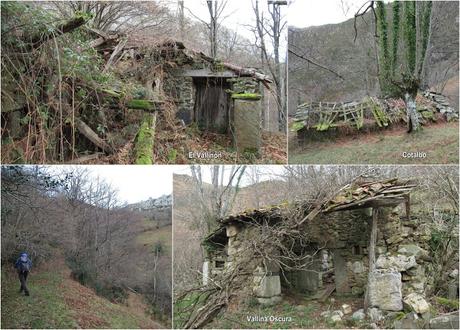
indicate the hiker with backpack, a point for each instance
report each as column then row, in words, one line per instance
column 23, row 265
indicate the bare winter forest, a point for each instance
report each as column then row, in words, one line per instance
column 97, row 261
column 155, row 82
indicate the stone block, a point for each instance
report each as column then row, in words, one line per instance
column 449, row 321
column 414, row 250
column 267, row 286
column 375, row 314
column 358, row 315
column 399, row 262
column 247, row 123
column 232, row 230
column 206, row 272
column 269, row 301
column 409, row 321
column 358, row 267
column 417, row 303
column 346, row 309
column 385, row 290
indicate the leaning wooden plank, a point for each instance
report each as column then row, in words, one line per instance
column 84, row 129
column 144, row 141
column 115, row 53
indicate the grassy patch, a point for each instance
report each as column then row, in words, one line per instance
column 150, row 237
column 58, row 302
column 44, row 308
column 439, row 142
column 447, row 304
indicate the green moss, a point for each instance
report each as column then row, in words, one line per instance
column 380, row 117
column 450, row 303
column 427, row 114
column 297, row 126
column 359, row 122
column 324, row 126
column 112, row 92
column 172, row 155
column 140, row 104
column 144, row 143
column 246, row 96
column 400, row 315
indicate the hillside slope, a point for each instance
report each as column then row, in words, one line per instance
column 57, row 301
column 333, row 46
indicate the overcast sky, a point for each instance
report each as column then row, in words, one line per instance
column 237, row 15
column 267, row 172
column 135, row 183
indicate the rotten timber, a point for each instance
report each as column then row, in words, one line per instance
column 371, row 253
column 84, row 129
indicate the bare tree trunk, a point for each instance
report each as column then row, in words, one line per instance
column 213, row 13
column 181, row 19
column 413, row 119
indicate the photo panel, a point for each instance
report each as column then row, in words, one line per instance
column 312, row 246
column 144, row 82
column 373, row 82
column 86, row 247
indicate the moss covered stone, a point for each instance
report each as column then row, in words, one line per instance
column 144, row 140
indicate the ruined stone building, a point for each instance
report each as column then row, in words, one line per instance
column 340, row 235
column 217, row 96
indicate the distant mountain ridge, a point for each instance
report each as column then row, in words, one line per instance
column 333, row 46
column 164, row 201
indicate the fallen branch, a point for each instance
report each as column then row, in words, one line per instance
column 315, row 63
column 66, row 27
column 84, row 129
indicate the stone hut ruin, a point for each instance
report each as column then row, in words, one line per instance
column 364, row 242
column 316, row 120
column 218, row 97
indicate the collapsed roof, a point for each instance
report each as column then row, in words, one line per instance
column 118, row 45
column 356, row 195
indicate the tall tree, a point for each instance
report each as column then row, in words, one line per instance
column 217, row 201
column 272, row 29
column 215, row 9
column 405, row 83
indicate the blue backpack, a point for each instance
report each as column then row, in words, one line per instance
column 23, row 264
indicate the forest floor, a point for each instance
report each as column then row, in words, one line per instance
column 58, row 301
column 175, row 148
column 440, row 142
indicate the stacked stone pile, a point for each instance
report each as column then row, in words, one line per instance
column 442, row 105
